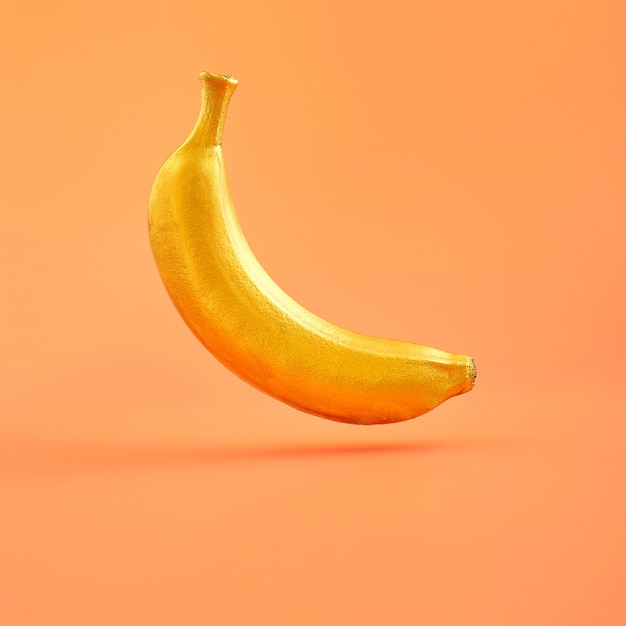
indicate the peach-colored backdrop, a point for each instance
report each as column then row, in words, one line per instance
column 450, row 173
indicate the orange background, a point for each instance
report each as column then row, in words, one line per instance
column 450, row 173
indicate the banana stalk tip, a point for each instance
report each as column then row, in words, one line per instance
column 227, row 78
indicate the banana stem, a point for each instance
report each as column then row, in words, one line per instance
column 217, row 90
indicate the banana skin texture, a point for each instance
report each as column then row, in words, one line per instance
column 250, row 325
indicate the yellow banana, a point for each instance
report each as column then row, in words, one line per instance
column 241, row 316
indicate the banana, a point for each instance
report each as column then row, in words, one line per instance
column 249, row 324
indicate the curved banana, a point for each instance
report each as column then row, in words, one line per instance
column 236, row 310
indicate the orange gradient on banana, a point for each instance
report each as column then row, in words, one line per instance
column 239, row 313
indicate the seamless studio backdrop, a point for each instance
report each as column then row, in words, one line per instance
column 446, row 173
